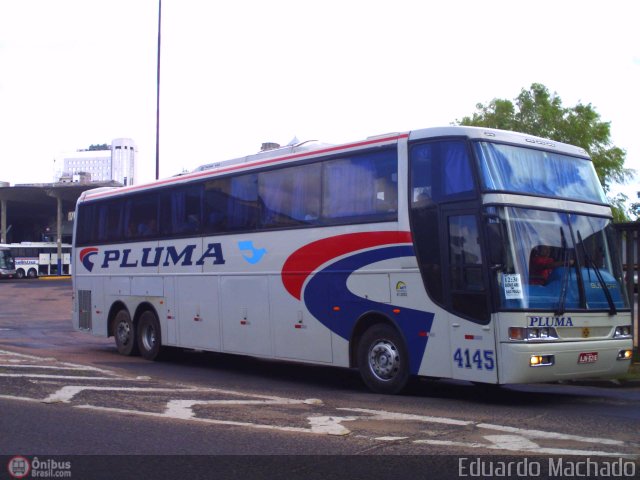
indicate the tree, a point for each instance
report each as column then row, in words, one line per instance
column 538, row 112
column 103, row 146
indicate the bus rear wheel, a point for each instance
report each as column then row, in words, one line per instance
column 382, row 359
column 125, row 334
column 20, row 274
column 149, row 337
column 32, row 273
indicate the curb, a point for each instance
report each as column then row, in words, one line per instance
column 55, row 277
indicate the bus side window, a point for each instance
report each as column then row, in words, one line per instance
column 181, row 210
column 291, row 196
column 216, row 204
column 361, row 186
column 243, row 206
column 86, row 232
column 441, row 171
column 141, row 217
column 109, row 221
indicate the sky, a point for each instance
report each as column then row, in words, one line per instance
column 236, row 74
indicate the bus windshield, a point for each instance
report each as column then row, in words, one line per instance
column 554, row 261
column 509, row 168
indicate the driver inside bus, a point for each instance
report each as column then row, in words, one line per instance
column 542, row 264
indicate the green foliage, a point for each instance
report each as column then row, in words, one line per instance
column 634, row 209
column 103, row 146
column 618, row 207
column 538, row 112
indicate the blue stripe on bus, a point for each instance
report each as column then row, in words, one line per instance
column 328, row 288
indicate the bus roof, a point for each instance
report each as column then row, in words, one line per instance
column 312, row 148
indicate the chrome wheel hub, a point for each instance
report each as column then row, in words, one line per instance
column 384, row 359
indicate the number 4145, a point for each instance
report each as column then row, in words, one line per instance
column 480, row 359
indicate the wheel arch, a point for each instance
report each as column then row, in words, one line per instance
column 144, row 307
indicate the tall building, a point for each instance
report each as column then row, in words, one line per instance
column 118, row 163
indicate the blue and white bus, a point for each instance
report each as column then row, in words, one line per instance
column 399, row 255
column 40, row 259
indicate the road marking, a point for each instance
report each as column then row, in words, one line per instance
column 330, row 425
column 183, row 408
column 199, row 420
column 65, row 377
column 498, row 437
column 51, row 367
column 66, row 394
column 550, row 435
column 22, row 399
column 519, row 444
column 23, row 355
column 384, row 415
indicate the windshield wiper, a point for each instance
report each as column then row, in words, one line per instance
column 565, row 275
column 591, row 264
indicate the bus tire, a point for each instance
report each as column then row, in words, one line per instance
column 125, row 334
column 149, row 336
column 32, row 273
column 19, row 274
column 382, row 359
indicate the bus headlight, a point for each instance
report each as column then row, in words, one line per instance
column 541, row 360
column 625, row 355
column 532, row 334
column 623, row 331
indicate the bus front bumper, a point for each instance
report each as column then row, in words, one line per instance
column 555, row 361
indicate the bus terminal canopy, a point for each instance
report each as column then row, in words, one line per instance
column 29, row 209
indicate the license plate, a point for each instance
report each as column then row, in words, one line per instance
column 588, row 357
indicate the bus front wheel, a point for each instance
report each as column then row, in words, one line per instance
column 382, row 359
column 149, row 338
column 125, row 334
column 32, row 273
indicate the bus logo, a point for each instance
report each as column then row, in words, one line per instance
column 86, row 257
column 255, row 254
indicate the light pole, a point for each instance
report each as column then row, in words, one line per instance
column 158, row 93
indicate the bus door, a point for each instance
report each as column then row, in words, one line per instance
column 467, row 296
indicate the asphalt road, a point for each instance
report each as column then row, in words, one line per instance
column 64, row 394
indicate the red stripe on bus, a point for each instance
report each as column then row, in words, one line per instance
column 307, row 259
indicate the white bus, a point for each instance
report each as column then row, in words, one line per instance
column 40, row 259
column 7, row 264
column 399, row 255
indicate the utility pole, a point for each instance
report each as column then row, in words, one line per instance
column 158, row 93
